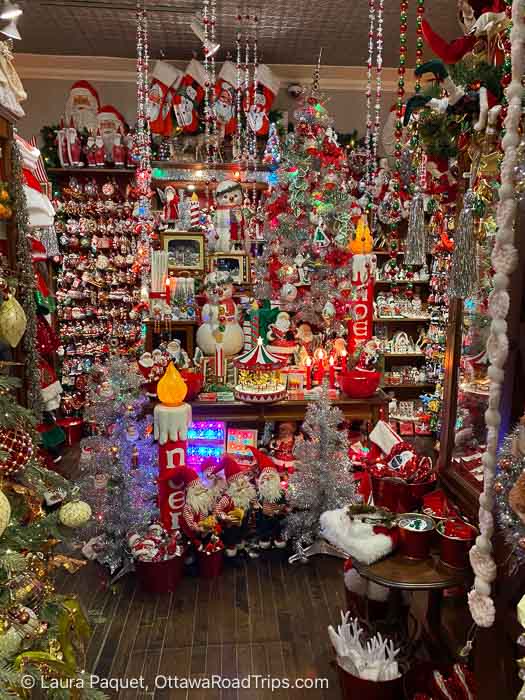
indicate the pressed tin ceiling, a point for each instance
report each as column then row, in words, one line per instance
column 290, row 31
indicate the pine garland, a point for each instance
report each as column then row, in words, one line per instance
column 27, row 284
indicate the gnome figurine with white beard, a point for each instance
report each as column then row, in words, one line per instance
column 273, row 506
column 196, row 522
column 232, row 509
column 215, row 482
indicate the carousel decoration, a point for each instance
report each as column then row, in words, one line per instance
column 259, row 375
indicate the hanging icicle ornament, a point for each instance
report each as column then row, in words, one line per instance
column 207, row 86
column 379, row 83
column 143, row 149
column 415, row 245
column 237, row 138
column 369, row 69
column 464, row 266
column 504, row 260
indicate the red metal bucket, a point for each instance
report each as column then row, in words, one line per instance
column 160, row 576
column 453, row 551
column 398, row 496
column 415, row 544
column 353, row 687
column 210, row 565
column 73, row 429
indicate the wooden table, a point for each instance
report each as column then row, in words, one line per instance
column 237, row 412
column 403, row 574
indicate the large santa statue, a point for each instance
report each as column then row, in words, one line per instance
column 198, row 504
column 82, row 106
column 272, row 502
column 231, row 510
column 110, row 123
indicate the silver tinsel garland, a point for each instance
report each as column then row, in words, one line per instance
column 415, row 246
column 464, row 267
column 511, row 465
column 323, row 479
column 26, row 280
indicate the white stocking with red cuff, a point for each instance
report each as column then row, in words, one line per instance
column 165, row 80
column 189, row 96
column 225, row 94
column 259, row 101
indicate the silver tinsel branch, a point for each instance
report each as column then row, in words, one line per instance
column 510, row 475
column 464, row 268
column 323, row 479
column 26, row 280
column 415, row 246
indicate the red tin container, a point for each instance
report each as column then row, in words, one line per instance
column 415, row 544
column 398, row 496
column 73, row 429
column 160, row 576
column 210, row 565
column 353, row 687
column 453, row 550
column 359, row 384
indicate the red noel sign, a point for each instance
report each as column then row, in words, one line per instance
column 171, row 503
column 171, row 455
column 360, row 328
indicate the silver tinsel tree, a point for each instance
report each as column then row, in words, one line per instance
column 119, row 462
column 323, row 478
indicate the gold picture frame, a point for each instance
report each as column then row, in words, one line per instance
column 237, row 265
column 186, row 251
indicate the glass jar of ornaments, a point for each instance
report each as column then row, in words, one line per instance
column 259, row 378
column 98, row 290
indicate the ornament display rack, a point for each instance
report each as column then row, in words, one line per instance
column 96, row 285
column 402, row 390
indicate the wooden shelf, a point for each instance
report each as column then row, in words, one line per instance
column 393, row 283
column 399, row 355
column 423, row 385
column 91, row 171
column 401, row 319
column 381, row 251
column 201, row 186
column 192, row 165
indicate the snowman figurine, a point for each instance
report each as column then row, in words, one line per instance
column 219, row 317
column 228, row 215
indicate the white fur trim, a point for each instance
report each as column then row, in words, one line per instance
column 355, row 583
column 228, row 73
column 51, row 391
column 355, row 538
column 378, row 592
column 268, row 79
column 384, row 437
column 167, row 74
column 197, row 71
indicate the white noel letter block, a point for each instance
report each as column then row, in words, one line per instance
column 171, row 422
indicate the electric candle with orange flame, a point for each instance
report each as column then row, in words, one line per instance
column 171, row 416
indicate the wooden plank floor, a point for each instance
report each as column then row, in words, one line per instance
column 266, row 618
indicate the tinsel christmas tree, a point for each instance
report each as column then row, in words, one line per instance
column 323, row 478
column 308, row 218
column 118, row 462
column 42, row 634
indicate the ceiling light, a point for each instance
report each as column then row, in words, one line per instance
column 11, row 10
column 11, row 30
column 197, row 27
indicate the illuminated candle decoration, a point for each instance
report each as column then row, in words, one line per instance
column 171, row 419
column 319, row 367
column 168, row 290
column 332, row 372
column 308, row 373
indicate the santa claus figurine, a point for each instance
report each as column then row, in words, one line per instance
column 282, row 446
column 228, row 216
column 90, row 152
column 231, row 510
column 100, row 151
column 110, row 121
column 280, row 336
column 272, row 502
column 170, row 210
column 74, row 148
column 199, row 502
column 119, row 150
column 82, row 106
column 211, row 471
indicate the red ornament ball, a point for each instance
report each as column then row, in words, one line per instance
column 18, row 447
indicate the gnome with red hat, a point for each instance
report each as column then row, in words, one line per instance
column 198, row 503
column 231, row 510
column 272, row 502
column 215, row 482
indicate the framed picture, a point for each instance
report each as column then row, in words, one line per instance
column 295, row 381
column 237, row 265
column 186, row 251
